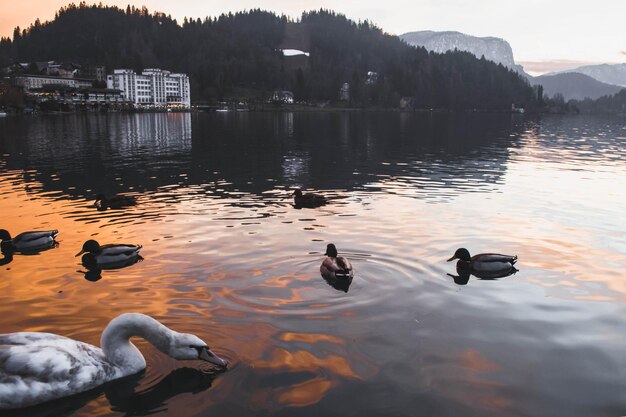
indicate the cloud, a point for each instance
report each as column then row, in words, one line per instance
column 623, row 52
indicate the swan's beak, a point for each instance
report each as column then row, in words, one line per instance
column 80, row 253
column 452, row 259
column 207, row 355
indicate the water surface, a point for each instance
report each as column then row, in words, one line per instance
column 227, row 257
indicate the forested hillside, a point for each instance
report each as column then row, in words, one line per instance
column 238, row 55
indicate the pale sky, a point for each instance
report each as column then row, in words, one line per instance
column 544, row 34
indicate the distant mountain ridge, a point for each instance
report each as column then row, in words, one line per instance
column 606, row 73
column 494, row 49
column 574, row 85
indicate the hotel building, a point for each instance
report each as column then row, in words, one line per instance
column 153, row 88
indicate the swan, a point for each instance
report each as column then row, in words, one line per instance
column 493, row 263
column 108, row 254
column 28, row 240
column 335, row 266
column 39, row 367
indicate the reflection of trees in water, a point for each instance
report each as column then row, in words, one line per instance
column 244, row 151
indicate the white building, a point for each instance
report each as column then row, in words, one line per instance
column 153, row 88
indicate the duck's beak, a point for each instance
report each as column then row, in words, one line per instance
column 207, row 355
column 80, row 253
column 452, row 259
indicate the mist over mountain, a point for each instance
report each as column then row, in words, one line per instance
column 607, row 73
column 494, row 49
column 573, row 85
column 239, row 55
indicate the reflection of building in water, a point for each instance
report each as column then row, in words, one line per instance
column 154, row 130
column 296, row 168
column 283, row 124
column 154, row 88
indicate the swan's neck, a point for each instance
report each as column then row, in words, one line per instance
column 121, row 352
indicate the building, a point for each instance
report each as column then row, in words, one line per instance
column 29, row 82
column 282, row 97
column 153, row 88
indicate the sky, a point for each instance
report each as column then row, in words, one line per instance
column 545, row 35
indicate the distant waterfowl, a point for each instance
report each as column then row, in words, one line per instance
column 108, row 254
column 39, row 367
column 308, row 200
column 114, row 202
column 487, row 263
column 335, row 266
column 28, row 241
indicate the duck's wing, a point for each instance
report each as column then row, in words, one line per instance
column 119, row 249
column 29, row 237
column 494, row 257
column 38, row 367
column 344, row 263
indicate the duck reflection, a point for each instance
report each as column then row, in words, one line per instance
column 340, row 284
column 7, row 257
column 123, row 395
column 464, row 275
column 94, row 270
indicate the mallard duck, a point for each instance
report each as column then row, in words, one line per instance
column 484, row 262
column 28, row 241
column 108, row 254
column 114, row 202
column 335, row 266
column 309, row 200
column 39, row 367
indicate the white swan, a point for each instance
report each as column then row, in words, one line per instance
column 39, row 367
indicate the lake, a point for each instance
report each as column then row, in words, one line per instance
column 229, row 258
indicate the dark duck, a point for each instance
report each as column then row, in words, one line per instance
column 114, row 202
column 484, row 263
column 308, row 200
column 335, row 266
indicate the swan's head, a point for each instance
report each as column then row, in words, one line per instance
column 90, row 246
column 298, row 192
column 462, row 254
column 190, row 347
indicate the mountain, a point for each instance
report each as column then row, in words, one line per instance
column 239, row 56
column 607, row 73
column 573, row 85
column 494, row 49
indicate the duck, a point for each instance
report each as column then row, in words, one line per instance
column 484, row 263
column 39, row 367
column 28, row 241
column 334, row 266
column 309, row 200
column 108, row 254
column 114, row 202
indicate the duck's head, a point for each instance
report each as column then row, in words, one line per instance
column 461, row 254
column 4, row 235
column 90, row 246
column 331, row 250
column 297, row 192
column 185, row 346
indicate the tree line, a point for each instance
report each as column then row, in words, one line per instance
column 238, row 55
